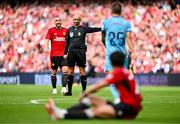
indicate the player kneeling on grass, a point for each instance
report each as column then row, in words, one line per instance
column 96, row 107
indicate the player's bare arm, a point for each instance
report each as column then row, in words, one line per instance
column 130, row 43
column 46, row 49
column 95, row 88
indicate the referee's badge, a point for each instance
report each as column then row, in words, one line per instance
column 79, row 33
column 71, row 34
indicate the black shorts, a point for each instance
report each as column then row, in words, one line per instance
column 58, row 61
column 76, row 57
column 123, row 111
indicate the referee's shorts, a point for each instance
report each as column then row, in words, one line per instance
column 76, row 57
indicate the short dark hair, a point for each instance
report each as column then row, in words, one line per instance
column 117, row 58
column 116, row 8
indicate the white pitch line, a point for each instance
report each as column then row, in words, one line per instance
column 40, row 101
column 70, row 101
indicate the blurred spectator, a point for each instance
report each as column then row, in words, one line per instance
column 155, row 31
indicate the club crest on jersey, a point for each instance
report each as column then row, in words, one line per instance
column 64, row 33
column 55, row 33
column 79, row 33
column 71, row 34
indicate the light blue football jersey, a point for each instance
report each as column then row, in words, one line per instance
column 115, row 40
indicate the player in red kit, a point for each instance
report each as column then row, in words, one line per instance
column 96, row 107
column 57, row 37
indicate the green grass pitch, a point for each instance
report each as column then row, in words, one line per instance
column 161, row 105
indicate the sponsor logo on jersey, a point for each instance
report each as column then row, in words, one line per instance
column 59, row 39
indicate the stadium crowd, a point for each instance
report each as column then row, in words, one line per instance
column 155, row 31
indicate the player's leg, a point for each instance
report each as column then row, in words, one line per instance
column 53, row 81
column 71, row 64
column 115, row 94
column 83, row 78
column 64, row 68
column 99, row 104
column 88, row 102
column 64, row 79
column 58, row 113
column 81, row 63
column 54, row 68
column 103, row 111
column 94, row 100
column 70, row 81
column 127, row 62
column 130, row 68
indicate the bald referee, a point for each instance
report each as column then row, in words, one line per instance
column 75, row 51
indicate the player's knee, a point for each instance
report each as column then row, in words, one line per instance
column 97, row 112
column 71, row 71
column 82, row 71
column 65, row 69
column 104, row 112
column 54, row 72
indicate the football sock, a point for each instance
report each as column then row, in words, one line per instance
column 83, row 82
column 84, row 104
column 79, row 106
column 70, row 83
column 79, row 114
column 64, row 79
column 60, row 113
column 53, row 80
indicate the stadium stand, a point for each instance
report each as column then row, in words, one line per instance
column 23, row 27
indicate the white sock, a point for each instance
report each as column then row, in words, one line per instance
column 86, row 101
column 89, row 113
column 60, row 112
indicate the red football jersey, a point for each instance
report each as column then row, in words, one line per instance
column 58, row 41
column 126, row 86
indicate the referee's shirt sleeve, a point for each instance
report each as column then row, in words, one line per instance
column 103, row 26
column 91, row 30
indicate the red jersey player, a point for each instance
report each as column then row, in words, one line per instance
column 56, row 36
column 96, row 107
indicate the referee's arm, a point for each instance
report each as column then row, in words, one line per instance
column 103, row 37
column 92, row 30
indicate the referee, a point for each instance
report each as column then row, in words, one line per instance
column 75, row 51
